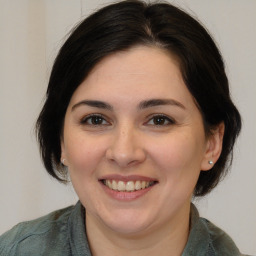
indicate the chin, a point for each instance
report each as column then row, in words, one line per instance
column 128, row 229
column 126, row 222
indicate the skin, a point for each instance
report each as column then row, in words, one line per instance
column 129, row 138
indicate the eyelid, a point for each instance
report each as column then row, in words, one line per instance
column 169, row 119
column 107, row 122
column 84, row 119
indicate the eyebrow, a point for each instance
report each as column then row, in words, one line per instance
column 160, row 102
column 93, row 103
column 142, row 105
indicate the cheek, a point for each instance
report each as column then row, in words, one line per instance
column 178, row 163
column 178, row 157
column 83, row 154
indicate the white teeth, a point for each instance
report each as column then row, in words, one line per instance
column 113, row 184
column 137, row 185
column 129, row 186
column 120, row 186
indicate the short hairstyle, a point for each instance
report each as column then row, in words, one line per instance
column 119, row 27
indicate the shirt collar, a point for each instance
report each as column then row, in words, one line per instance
column 199, row 240
column 77, row 235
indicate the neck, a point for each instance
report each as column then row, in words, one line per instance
column 169, row 239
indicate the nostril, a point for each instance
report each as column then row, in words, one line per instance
column 125, row 149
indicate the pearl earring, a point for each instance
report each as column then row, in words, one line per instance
column 210, row 162
column 63, row 161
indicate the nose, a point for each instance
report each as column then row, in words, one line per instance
column 126, row 148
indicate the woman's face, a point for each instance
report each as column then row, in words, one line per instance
column 134, row 142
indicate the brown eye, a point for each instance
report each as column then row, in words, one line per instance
column 160, row 120
column 95, row 120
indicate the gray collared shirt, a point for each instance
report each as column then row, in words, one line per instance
column 62, row 233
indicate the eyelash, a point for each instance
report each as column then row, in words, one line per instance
column 163, row 118
column 84, row 120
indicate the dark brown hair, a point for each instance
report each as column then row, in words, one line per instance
column 118, row 27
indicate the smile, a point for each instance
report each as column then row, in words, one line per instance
column 129, row 186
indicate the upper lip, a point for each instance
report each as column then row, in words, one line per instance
column 127, row 178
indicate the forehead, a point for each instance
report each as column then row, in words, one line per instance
column 141, row 72
column 137, row 63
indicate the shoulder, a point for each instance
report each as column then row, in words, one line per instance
column 205, row 238
column 220, row 242
column 35, row 232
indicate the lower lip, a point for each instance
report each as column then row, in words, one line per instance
column 125, row 196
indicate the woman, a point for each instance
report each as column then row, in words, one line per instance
column 138, row 113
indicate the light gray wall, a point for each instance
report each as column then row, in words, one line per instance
column 31, row 32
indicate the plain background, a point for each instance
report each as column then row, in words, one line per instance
column 32, row 31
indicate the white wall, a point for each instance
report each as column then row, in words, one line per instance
column 31, row 32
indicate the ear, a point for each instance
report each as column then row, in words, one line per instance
column 213, row 147
column 63, row 158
